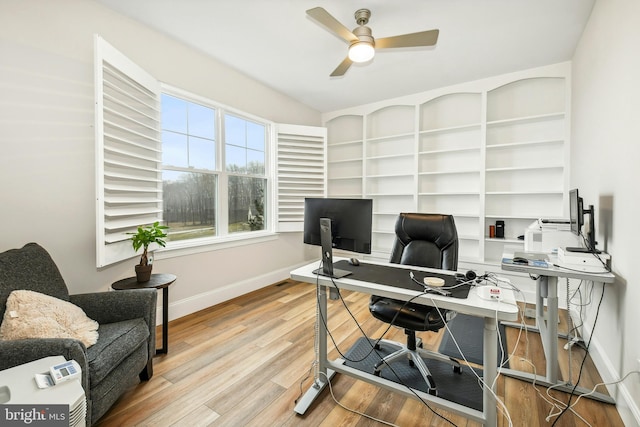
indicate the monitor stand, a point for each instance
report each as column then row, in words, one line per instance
column 327, row 252
column 583, row 250
column 591, row 240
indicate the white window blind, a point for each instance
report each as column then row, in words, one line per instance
column 128, row 152
column 301, row 172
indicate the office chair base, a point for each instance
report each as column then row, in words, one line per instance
column 415, row 360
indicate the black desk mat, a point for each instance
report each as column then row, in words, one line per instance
column 460, row 388
column 398, row 277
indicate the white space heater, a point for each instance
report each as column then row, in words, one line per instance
column 18, row 387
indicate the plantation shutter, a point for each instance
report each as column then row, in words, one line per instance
column 128, row 152
column 301, row 171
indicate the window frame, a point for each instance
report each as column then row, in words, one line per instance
column 223, row 237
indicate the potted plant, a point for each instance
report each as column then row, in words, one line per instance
column 145, row 236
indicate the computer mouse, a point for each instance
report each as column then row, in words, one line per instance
column 354, row 261
column 520, row 260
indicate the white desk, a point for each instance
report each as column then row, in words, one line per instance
column 473, row 305
column 547, row 323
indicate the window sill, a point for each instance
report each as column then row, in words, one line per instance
column 181, row 248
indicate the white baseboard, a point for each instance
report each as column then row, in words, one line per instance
column 628, row 409
column 204, row 300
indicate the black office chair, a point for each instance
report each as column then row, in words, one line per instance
column 426, row 240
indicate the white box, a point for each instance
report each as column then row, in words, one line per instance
column 548, row 238
column 582, row 258
column 18, row 387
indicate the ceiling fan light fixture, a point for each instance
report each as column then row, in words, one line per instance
column 361, row 51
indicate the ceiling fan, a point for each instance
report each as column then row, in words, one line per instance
column 362, row 45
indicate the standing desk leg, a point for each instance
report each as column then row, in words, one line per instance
column 547, row 288
column 490, row 356
column 548, row 325
column 325, row 374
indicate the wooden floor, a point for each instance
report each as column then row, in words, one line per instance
column 245, row 362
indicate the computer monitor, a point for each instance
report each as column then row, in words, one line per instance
column 337, row 223
column 577, row 220
column 576, row 216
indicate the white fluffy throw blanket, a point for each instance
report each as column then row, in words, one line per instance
column 34, row 315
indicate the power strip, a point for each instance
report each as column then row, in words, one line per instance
column 491, row 293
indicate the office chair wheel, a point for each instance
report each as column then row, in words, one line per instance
column 457, row 369
column 432, row 386
column 376, row 372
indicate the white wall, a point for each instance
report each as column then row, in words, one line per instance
column 605, row 156
column 47, row 178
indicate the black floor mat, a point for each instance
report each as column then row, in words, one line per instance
column 469, row 333
column 460, row 388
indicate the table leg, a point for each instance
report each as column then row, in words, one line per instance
column 165, row 322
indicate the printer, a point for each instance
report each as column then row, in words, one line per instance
column 547, row 235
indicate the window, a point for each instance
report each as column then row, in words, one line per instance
column 245, row 143
column 202, row 168
column 189, row 173
column 192, row 174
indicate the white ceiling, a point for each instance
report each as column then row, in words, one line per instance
column 273, row 41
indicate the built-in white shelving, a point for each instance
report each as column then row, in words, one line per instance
column 489, row 151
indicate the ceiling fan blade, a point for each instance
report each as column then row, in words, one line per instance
column 423, row 38
column 342, row 68
column 332, row 24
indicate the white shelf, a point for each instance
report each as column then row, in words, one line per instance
column 342, row 143
column 391, row 175
column 383, row 232
column 524, row 143
column 345, row 178
column 524, row 168
column 346, row 195
column 390, row 156
column 390, row 195
column 514, row 217
column 449, row 194
column 391, row 137
column 450, row 172
column 470, row 126
column 335, row 162
column 505, row 240
column 522, row 193
column 455, row 150
column 536, row 118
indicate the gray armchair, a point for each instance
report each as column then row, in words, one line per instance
column 126, row 342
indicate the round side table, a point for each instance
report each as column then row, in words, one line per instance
column 157, row 281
